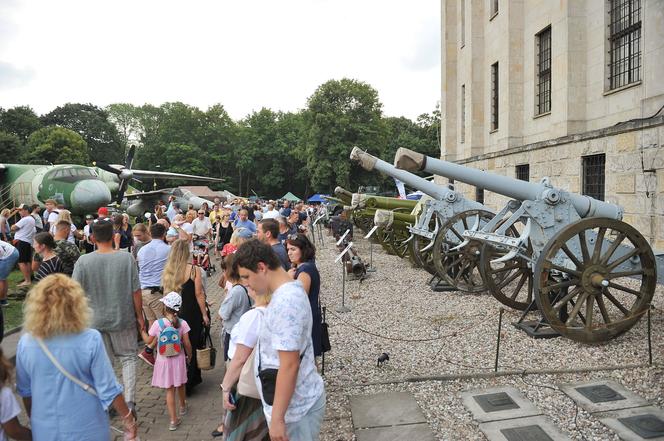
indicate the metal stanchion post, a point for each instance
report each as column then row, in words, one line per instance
column 500, row 325
column 343, row 307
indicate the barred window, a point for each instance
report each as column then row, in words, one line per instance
column 494, row 96
column 593, row 176
column 543, row 96
column 463, row 113
column 523, row 172
column 624, row 42
column 479, row 195
column 494, row 7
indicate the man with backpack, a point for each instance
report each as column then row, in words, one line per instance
column 110, row 281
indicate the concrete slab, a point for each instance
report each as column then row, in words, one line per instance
column 609, row 396
column 385, row 409
column 413, row 432
column 499, row 403
column 623, row 423
column 536, row 428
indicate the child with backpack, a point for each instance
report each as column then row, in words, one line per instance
column 170, row 368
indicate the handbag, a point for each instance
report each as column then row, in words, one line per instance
column 268, row 379
column 246, row 385
column 207, row 356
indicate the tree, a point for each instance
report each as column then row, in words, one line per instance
column 125, row 117
column 20, row 120
column 56, row 145
column 342, row 114
column 10, row 147
column 92, row 123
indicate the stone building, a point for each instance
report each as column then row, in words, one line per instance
column 570, row 89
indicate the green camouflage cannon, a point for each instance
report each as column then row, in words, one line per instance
column 591, row 275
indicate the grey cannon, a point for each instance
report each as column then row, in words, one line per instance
column 591, row 275
column 436, row 233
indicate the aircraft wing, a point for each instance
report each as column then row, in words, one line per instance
column 149, row 174
column 147, row 194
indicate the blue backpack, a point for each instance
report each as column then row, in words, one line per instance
column 168, row 343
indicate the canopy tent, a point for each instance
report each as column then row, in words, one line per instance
column 318, row 197
column 291, row 197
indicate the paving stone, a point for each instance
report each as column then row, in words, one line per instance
column 536, row 428
column 635, row 424
column 413, row 432
column 498, row 403
column 602, row 396
column 385, row 409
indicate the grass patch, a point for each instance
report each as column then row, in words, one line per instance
column 13, row 313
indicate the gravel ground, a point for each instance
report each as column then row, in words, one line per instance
column 435, row 334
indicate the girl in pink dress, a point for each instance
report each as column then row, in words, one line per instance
column 170, row 372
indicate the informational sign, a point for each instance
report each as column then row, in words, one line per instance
column 372, row 231
column 340, row 256
column 343, row 237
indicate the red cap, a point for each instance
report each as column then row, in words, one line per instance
column 103, row 211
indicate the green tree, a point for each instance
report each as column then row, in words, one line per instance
column 342, row 114
column 56, row 145
column 10, row 147
column 20, row 120
column 125, row 117
column 92, row 123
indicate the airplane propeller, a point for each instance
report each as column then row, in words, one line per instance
column 125, row 174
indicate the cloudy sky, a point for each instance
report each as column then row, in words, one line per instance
column 243, row 54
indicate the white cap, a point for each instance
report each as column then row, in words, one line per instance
column 172, row 300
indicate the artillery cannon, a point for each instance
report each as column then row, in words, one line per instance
column 591, row 275
column 437, row 230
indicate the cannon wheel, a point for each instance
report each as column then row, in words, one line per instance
column 399, row 237
column 422, row 258
column 589, row 300
column 460, row 268
column 506, row 280
column 363, row 222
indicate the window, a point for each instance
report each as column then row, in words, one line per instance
column 463, row 113
column 543, row 95
column 493, row 8
column 593, row 176
column 479, row 195
column 624, row 42
column 494, row 96
column 523, row 172
column 463, row 22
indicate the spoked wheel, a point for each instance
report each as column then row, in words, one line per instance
column 384, row 237
column 460, row 267
column 423, row 258
column 398, row 243
column 595, row 279
column 364, row 223
column 510, row 282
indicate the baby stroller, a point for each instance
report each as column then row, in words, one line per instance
column 202, row 256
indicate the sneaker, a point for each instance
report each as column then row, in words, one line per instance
column 147, row 357
column 4, row 303
column 174, row 425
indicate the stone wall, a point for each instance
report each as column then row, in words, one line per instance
column 634, row 170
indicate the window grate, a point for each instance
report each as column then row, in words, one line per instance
column 624, row 42
column 593, row 176
column 523, row 172
column 463, row 113
column 479, row 195
column 543, row 71
column 494, row 96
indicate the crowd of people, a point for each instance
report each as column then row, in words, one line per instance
column 101, row 290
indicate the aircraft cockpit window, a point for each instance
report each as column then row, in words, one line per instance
column 187, row 194
column 177, row 193
column 58, row 174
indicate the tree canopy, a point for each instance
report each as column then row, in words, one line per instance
column 267, row 152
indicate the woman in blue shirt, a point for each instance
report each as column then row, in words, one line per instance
column 302, row 255
column 57, row 312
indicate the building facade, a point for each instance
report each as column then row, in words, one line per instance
column 569, row 89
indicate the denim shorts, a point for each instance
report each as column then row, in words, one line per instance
column 7, row 265
column 308, row 428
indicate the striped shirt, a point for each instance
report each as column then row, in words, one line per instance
column 50, row 266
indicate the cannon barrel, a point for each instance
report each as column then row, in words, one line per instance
column 401, row 218
column 585, row 206
column 370, row 163
column 343, row 194
column 381, row 202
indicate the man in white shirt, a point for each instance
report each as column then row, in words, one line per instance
column 296, row 410
column 271, row 213
column 201, row 226
column 24, row 232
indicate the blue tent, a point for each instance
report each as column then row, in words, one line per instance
column 318, row 198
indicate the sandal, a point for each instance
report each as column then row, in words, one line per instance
column 174, row 425
column 184, row 409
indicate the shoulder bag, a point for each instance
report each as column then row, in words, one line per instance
column 246, row 385
column 86, row 387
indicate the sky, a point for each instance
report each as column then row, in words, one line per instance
column 243, row 54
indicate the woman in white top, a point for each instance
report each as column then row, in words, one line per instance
column 246, row 421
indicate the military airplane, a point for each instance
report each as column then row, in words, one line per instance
column 79, row 188
column 137, row 204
